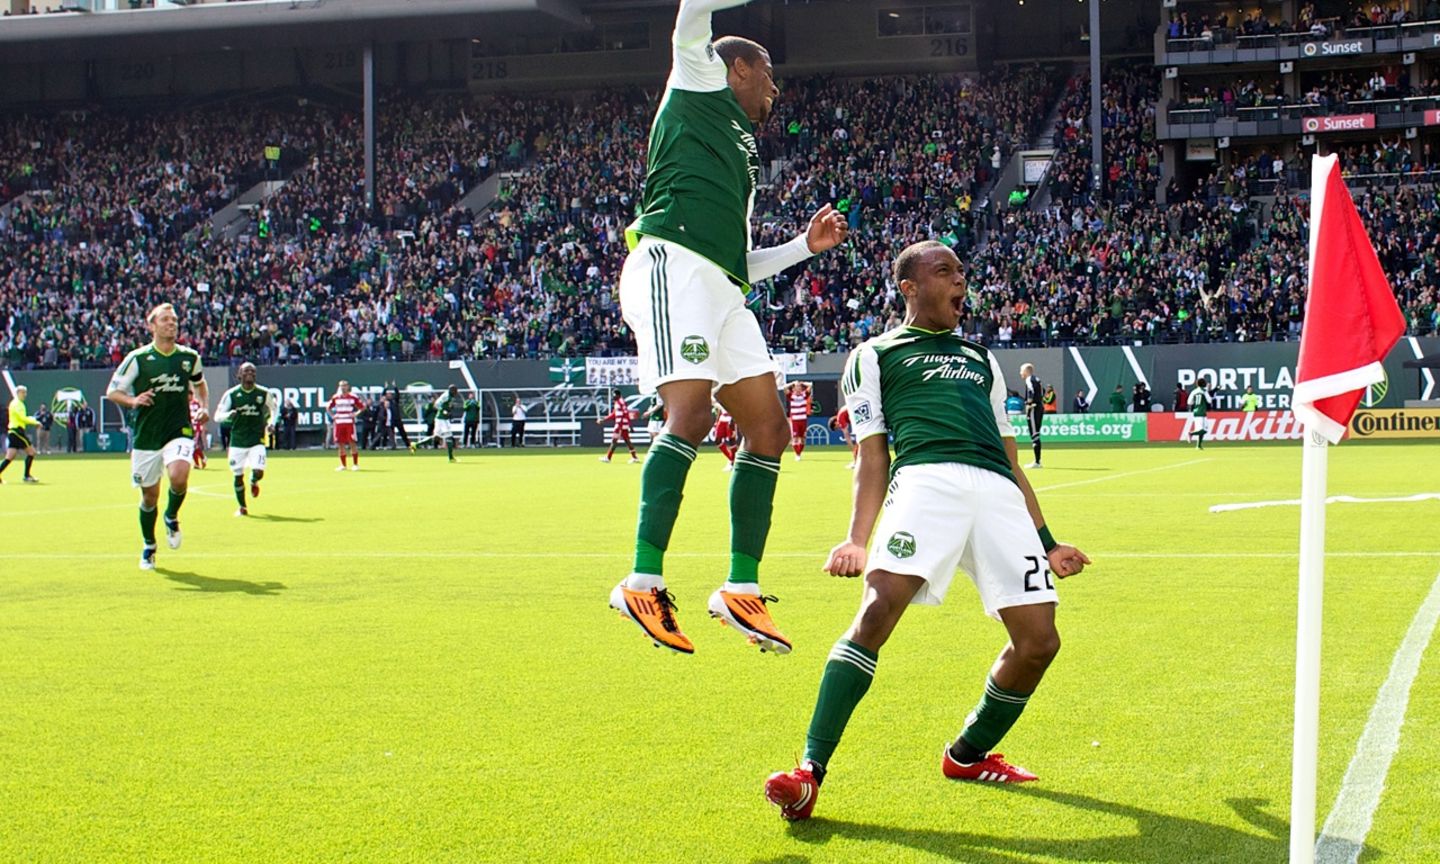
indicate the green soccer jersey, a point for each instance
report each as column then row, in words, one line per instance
column 248, row 413
column 703, row 162
column 169, row 376
column 1199, row 402
column 472, row 411
column 943, row 398
column 447, row 407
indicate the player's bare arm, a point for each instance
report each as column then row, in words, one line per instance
column 201, row 391
column 1065, row 560
column 848, row 558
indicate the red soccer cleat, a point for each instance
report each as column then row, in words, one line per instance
column 992, row 769
column 794, row 792
column 254, row 489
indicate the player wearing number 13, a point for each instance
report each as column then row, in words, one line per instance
column 957, row 496
column 155, row 381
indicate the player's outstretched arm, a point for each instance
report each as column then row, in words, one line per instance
column 848, row 557
column 827, row 230
column 692, row 22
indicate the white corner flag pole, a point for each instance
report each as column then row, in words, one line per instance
column 1307, row 648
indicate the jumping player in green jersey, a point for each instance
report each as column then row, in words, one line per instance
column 251, row 411
column 682, row 292
column 17, row 436
column 447, row 408
column 955, row 496
column 155, row 381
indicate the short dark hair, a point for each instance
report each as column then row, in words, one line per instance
column 909, row 258
column 731, row 47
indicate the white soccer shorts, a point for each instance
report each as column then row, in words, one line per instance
column 1199, row 424
column 242, row 458
column 689, row 319
column 443, row 429
column 146, row 466
column 941, row 516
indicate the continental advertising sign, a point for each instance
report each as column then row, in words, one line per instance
column 1085, row 427
column 1228, row 426
column 1396, row 423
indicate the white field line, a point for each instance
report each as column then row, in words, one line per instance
column 1110, row 477
column 302, row 554
column 1333, row 499
column 1343, row 837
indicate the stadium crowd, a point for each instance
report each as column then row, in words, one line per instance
column 107, row 215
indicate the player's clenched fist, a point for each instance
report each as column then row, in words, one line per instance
column 1066, row 560
column 847, row 559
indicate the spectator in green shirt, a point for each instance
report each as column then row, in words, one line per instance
column 1117, row 400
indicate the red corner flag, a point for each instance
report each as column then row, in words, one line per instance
column 1351, row 320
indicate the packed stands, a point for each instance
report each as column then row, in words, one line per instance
column 108, row 215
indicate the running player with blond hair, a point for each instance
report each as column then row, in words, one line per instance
column 156, row 381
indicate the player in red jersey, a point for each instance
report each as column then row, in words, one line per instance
column 841, row 423
column 344, row 407
column 196, row 410
column 725, row 437
column 622, row 415
column 797, row 401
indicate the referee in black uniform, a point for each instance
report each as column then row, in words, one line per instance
column 1034, row 408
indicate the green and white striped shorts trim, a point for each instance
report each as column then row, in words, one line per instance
column 689, row 319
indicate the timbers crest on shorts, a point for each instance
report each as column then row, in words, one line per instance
column 902, row 544
column 695, row 349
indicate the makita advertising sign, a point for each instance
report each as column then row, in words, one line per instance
column 1227, row 426
column 1432, row 117
column 1339, row 123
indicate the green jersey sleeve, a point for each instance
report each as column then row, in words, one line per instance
column 998, row 392
column 124, row 378
column 861, row 386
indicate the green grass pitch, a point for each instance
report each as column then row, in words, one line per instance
column 415, row 662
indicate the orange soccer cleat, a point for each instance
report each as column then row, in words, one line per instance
column 748, row 614
column 654, row 611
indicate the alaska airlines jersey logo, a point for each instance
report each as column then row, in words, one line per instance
column 167, row 383
column 946, row 367
column 752, row 152
column 695, row 349
column 902, row 544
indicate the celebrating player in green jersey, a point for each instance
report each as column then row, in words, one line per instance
column 682, row 292
column 447, row 408
column 956, row 496
column 155, row 381
column 250, row 410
